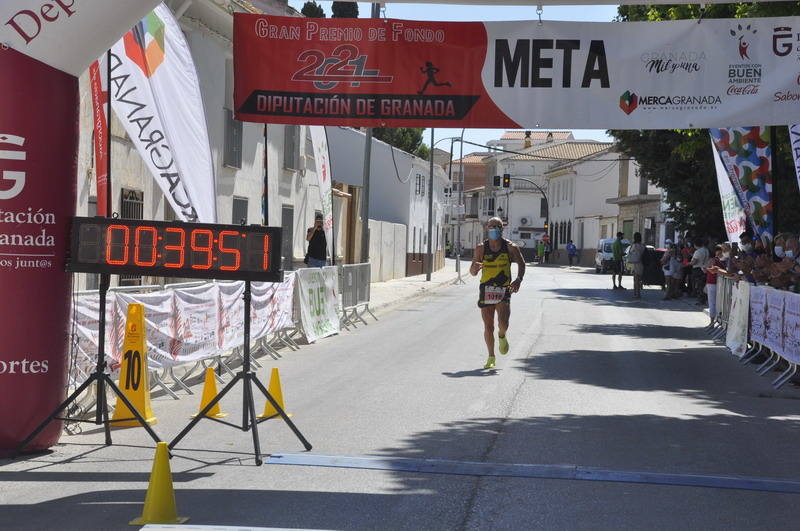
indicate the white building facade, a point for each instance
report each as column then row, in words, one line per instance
column 264, row 174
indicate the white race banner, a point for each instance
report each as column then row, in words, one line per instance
column 645, row 75
column 156, row 95
column 230, row 326
column 736, row 336
column 791, row 328
column 794, row 139
column 732, row 212
column 319, row 140
column 774, row 322
column 159, row 319
column 316, row 291
column 758, row 313
column 196, row 318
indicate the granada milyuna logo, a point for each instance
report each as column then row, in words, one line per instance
column 144, row 44
column 628, row 102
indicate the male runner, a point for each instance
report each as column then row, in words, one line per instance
column 494, row 256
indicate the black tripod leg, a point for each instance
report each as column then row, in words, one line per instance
column 70, row 399
column 132, row 409
column 102, row 407
column 248, row 399
column 283, row 414
column 204, row 411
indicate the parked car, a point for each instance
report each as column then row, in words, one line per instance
column 653, row 272
column 604, row 255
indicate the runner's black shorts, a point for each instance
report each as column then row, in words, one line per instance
column 481, row 297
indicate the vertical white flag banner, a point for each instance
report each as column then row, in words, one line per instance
column 794, row 138
column 322, row 161
column 732, row 212
column 156, row 95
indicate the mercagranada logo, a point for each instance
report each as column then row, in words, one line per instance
column 144, row 44
column 628, row 102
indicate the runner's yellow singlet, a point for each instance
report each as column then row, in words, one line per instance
column 496, row 269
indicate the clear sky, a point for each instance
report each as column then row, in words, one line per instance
column 465, row 13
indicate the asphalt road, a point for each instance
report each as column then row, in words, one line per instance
column 617, row 391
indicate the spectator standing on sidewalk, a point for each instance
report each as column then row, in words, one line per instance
column 572, row 252
column 540, row 251
column 668, row 253
column 685, row 257
column 699, row 262
column 714, row 265
column 317, row 244
column 635, row 257
column 616, row 262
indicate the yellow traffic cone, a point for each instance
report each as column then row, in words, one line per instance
column 209, row 392
column 274, row 390
column 159, row 503
column 133, row 376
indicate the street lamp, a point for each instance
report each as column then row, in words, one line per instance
column 429, row 269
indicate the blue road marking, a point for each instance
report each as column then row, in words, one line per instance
column 573, row 472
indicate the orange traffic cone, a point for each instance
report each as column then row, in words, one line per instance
column 274, row 390
column 209, row 392
column 159, row 504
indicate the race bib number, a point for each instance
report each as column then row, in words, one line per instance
column 493, row 294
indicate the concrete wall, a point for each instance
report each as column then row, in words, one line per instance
column 386, row 250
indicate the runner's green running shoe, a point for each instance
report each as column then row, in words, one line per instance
column 503, row 345
column 489, row 363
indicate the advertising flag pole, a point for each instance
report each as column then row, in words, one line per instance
column 108, row 133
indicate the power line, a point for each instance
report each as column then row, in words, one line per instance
column 541, row 157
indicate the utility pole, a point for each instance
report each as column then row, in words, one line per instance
column 429, row 270
column 376, row 11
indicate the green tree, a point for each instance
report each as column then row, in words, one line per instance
column 680, row 161
column 344, row 10
column 312, row 10
column 408, row 139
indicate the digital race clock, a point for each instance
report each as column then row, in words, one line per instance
column 175, row 249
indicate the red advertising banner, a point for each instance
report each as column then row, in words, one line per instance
column 361, row 72
column 38, row 142
column 99, row 101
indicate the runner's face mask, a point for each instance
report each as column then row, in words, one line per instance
column 495, row 233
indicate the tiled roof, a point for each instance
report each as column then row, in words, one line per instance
column 565, row 151
column 474, row 158
column 536, row 135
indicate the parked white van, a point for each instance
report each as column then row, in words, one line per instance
column 604, row 256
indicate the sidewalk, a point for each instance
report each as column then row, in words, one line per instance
column 386, row 295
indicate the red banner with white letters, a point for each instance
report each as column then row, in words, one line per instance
column 368, row 72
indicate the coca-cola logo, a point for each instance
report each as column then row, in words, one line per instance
column 16, row 177
column 742, row 90
column 28, row 23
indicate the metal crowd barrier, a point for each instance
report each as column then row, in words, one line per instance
column 719, row 328
column 354, row 286
column 719, row 325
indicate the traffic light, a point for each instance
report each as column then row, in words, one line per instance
column 546, row 226
column 506, row 180
column 497, row 181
